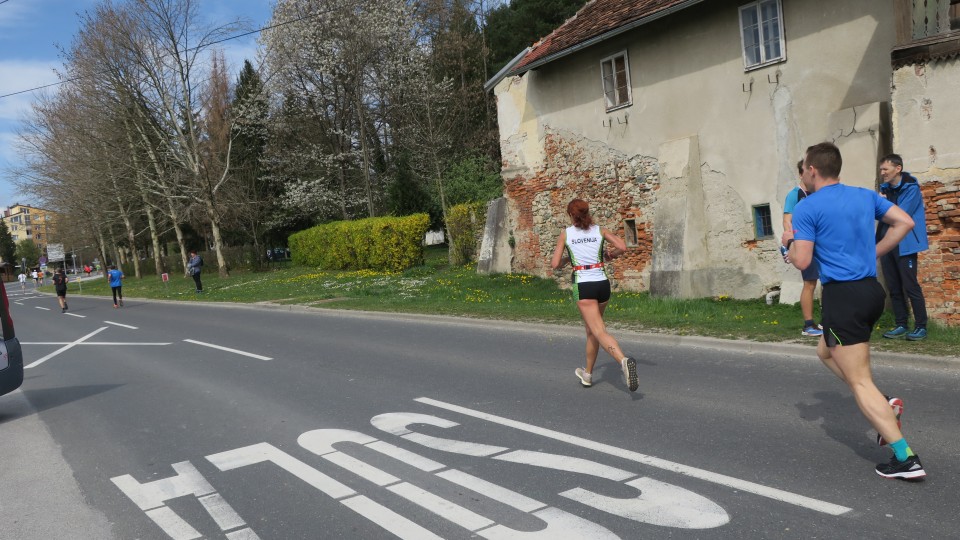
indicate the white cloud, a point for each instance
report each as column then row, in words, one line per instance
column 18, row 75
column 14, row 14
column 8, row 158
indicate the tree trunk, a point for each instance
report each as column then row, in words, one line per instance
column 366, row 158
column 217, row 239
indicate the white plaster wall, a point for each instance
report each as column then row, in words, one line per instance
column 926, row 126
column 688, row 79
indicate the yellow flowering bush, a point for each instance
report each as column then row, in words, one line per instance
column 381, row 243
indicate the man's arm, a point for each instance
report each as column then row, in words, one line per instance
column 910, row 199
column 900, row 224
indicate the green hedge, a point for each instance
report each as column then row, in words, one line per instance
column 381, row 243
column 465, row 223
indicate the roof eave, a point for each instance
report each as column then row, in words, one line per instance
column 605, row 36
column 495, row 80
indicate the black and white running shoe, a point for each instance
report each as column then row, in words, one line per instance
column 911, row 468
column 630, row 373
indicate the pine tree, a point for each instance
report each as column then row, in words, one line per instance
column 8, row 248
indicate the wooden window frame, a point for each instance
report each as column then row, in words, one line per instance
column 763, row 60
column 612, row 105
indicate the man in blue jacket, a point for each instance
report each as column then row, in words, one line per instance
column 900, row 264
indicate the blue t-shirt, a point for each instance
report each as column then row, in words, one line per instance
column 840, row 221
column 792, row 199
column 115, row 276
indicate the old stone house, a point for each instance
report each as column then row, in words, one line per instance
column 681, row 121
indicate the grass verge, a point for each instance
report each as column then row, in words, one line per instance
column 437, row 288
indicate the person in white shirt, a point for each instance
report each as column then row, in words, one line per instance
column 584, row 246
column 23, row 280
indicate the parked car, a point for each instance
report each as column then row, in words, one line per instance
column 11, row 356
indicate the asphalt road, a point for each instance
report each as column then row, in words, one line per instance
column 178, row 420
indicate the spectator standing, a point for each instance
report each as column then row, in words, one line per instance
column 900, row 264
column 193, row 268
column 60, row 280
column 115, row 278
column 811, row 273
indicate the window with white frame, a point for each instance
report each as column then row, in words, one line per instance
column 761, row 33
column 615, row 72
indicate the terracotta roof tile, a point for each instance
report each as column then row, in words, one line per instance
column 594, row 19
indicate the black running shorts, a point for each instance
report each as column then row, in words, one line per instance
column 850, row 310
column 592, row 290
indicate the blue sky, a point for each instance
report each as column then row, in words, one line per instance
column 31, row 30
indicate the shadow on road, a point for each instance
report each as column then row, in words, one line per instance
column 842, row 422
column 48, row 398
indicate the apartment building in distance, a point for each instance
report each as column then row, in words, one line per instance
column 29, row 222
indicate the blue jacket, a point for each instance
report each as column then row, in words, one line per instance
column 908, row 197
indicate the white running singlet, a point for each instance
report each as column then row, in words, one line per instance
column 585, row 247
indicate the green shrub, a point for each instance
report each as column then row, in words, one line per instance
column 465, row 223
column 381, row 243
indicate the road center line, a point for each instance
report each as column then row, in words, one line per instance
column 64, row 348
column 722, row 479
column 119, row 324
column 235, row 351
column 75, row 315
column 43, row 308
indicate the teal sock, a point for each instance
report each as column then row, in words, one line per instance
column 901, row 449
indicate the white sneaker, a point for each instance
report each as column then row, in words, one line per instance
column 586, row 379
column 629, row 366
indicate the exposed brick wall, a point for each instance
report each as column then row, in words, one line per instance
column 939, row 270
column 617, row 187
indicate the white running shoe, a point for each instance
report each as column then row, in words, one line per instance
column 586, row 379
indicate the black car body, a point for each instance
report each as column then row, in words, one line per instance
column 11, row 356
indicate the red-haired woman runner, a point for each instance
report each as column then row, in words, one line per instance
column 583, row 245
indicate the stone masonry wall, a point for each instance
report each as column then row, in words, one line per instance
column 939, row 270
column 617, row 187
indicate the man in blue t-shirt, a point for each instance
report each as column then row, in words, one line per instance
column 810, row 274
column 115, row 278
column 835, row 226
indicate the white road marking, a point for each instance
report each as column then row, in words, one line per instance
column 75, row 315
column 566, row 463
column 243, row 534
column 659, row 504
column 152, row 496
column 123, row 325
column 455, row 513
column 375, row 512
column 724, row 480
column 43, row 308
column 388, row 519
column 172, row 524
column 228, row 349
column 65, row 347
column 221, row 512
column 559, row 524
column 495, row 492
column 396, row 424
column 18, row 303
column 91, row 343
